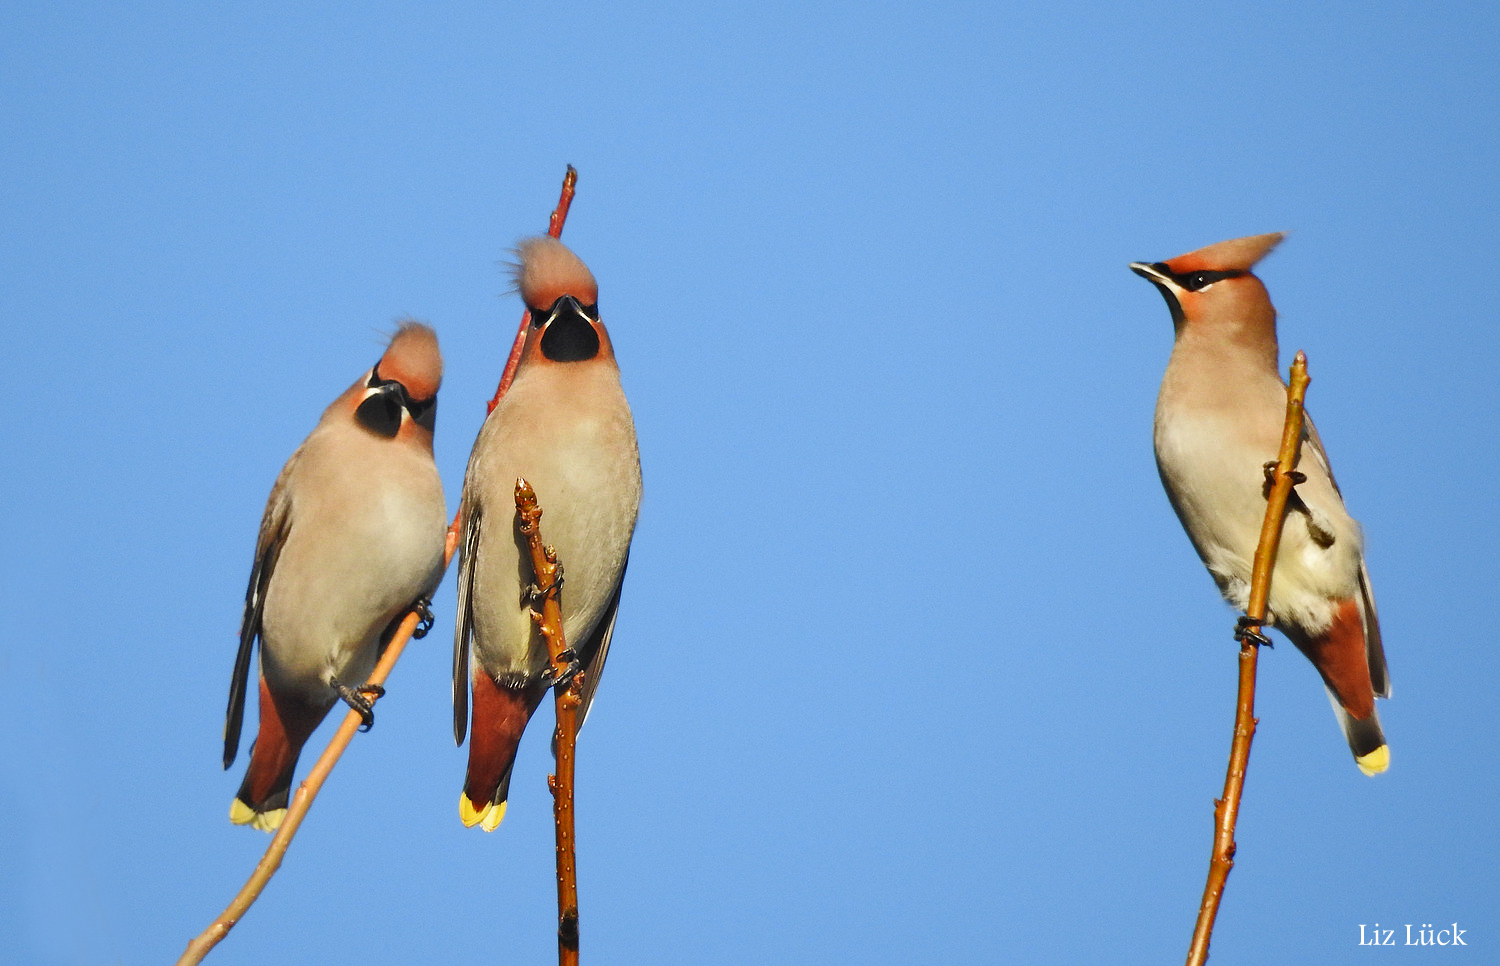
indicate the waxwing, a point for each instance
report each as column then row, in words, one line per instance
column 564, row 426
column 1219, row 419
column 351, row 541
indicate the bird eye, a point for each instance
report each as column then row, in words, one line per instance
column 423, row 412
column 1197, row 281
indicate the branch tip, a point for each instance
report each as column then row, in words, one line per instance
column 554, row 228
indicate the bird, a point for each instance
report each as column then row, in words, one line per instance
column 566, row 428
column 1219, row 418
column 351, row 541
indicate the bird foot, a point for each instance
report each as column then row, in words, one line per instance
column 423, row 609
column 566, row 677
column 1243, row 632
column 1297, row 477
column 359, row 699
column 531, row 594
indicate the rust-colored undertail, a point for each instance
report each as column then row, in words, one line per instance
column 500, row 714
column 285, row 726
column 1342, row 656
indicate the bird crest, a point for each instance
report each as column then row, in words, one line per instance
column 1235, row 255
column 546, row 270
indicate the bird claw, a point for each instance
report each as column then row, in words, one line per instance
column 423, row 609
column 1296, row 476
column 359, row 699
column 1243, row 632
column 572, row 671
column 533, row 595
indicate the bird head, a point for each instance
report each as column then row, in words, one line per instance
column 400, row 393
column 1213, row 286
column 562, row 299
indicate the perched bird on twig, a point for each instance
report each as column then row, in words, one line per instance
column 1218, row 420
column 565, row 427
column 352, row 540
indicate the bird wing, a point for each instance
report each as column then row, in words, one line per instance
column 596, row 649
column 1319, row 527
column 463, row 622
column 1380, row 675
column 274, row 527
column 1312, row 443
column 1374, row 648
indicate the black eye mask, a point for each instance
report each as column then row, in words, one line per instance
column 1194, row 281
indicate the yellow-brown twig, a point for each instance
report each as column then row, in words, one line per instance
column 1227, row 809
column 546, row 573
column 303, row 800
column 554, row 228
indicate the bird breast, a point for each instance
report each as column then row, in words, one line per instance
column 1213, row 472
column 567, row 430
column 366, row 540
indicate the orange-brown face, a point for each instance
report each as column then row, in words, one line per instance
column 1181, row 282
column 567, row 330
column 399, row 397
column 387, row 408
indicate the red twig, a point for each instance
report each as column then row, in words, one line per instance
column 554, row 228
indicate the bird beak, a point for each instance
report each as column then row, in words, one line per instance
column 1149, row 272
column 563, row 308
column 1158, row 274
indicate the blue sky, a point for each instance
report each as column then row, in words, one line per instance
column 914, row 663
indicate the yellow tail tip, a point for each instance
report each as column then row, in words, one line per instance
column 1376, row 761
column 242, row 814
column 487, row 817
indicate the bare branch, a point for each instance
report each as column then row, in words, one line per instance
column 568, row 693
column 303, row 800
column 1227, row 809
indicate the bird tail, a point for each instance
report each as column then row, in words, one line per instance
column 284, row 728
column 1342, row 656
column 1365, row 737
column 500, row 715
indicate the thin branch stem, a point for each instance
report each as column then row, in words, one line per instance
column 303, row 799
column 547, row 575
column 554, row 228
column 1227, row 809
column 560, row 213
